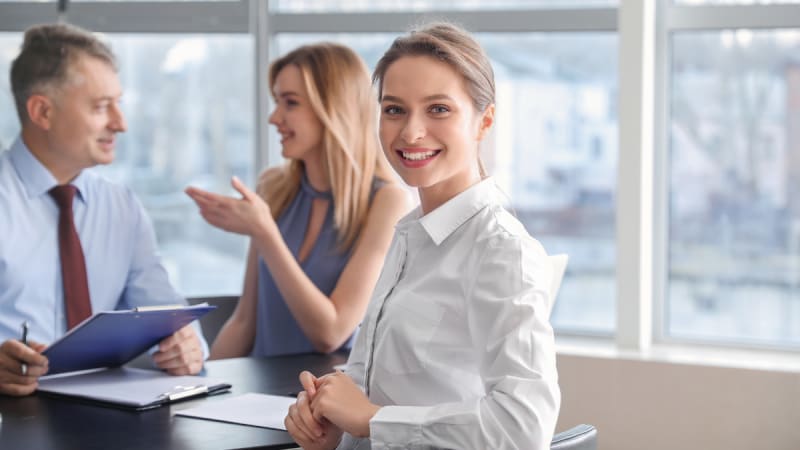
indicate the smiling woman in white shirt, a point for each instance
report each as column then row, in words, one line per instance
column 456, row 350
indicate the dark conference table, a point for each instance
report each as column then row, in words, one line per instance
column 42, row 423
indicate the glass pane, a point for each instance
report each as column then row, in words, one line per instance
column 9, row 122
column 734, row 206
column 306, row 6
column 188, row 101
column 553, row 150
column 556, row 155
column 734, row 2
column 189, row 105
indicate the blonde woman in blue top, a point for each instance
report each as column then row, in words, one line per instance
column 320, row 225
column 456, row 350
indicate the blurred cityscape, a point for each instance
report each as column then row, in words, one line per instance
column 734, row 243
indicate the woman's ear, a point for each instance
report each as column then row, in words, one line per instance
column 486, row 121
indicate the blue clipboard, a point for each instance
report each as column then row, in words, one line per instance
column 112, row 338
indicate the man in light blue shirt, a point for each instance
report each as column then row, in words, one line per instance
column 67, row 94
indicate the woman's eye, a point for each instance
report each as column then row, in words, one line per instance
column 392, row 110
column 439, row 109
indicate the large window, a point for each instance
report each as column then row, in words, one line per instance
column 727, row 141
column 734, row 248
column 732, row 165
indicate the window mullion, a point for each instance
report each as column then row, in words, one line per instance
column 635, row 172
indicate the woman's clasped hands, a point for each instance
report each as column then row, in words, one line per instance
column 327, row 407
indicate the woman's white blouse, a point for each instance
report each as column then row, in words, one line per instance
column 456, row 344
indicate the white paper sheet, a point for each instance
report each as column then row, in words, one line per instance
column 258, row 410
column 125, row 386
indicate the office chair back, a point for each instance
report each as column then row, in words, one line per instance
column 559, row 264
column 581, row 437
column 214, row 320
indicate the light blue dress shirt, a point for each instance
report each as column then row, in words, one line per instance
column 118, row 241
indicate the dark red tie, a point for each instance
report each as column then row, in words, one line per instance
column 73, row 266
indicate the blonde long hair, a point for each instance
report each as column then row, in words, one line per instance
column 342, row 97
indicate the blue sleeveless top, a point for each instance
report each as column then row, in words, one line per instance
column 277, row 331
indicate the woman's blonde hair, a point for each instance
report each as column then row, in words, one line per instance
column 453, row 46
column 342, row 97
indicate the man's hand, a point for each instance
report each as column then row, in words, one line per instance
column 181, row 353
column 21, row 366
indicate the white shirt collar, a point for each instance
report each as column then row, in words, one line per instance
column 444, row 220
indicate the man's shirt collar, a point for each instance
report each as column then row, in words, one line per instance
column 35, row 177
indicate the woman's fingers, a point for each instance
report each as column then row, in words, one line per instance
column 304, row 418
column 237, row 184
column 205, row 198
column 309, row 382
column 295, row 428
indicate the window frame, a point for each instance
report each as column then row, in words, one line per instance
column 677, row 18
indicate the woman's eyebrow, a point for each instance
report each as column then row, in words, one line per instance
column 391, row 98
